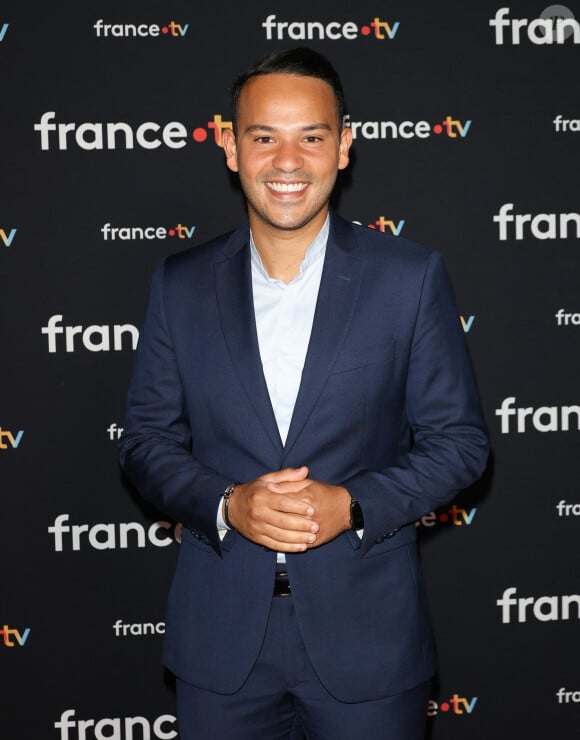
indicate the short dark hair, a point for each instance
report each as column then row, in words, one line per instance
column 302, row 62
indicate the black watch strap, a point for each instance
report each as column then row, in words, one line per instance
column 356, row 515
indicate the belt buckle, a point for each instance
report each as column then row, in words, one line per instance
column 281, row 584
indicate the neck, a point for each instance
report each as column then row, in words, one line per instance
column 282, row 250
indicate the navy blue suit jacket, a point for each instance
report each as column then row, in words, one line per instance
column 387, row 408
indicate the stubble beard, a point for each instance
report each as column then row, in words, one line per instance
column 286, row 222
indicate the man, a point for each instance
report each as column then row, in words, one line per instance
column 302, row 395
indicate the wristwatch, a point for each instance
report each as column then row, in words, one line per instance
column 227, row 494
column 356, row 516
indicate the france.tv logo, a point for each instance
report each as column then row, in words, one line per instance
column 96, row 135
column 332, row 31
column 139, row 30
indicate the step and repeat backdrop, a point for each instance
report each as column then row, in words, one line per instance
column 466, row 126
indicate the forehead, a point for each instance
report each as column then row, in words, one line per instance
column 285, row 97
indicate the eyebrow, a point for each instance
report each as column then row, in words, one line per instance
column 271, row 129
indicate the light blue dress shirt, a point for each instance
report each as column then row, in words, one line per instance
column 284, row 315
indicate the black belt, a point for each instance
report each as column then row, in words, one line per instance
column 281, row 584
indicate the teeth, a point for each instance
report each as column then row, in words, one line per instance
column 287, row 187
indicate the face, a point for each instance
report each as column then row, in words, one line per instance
column 287, row 150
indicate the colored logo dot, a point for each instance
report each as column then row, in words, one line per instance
column 444, row 707
column 164, row 29
column 171, row 232
column 365, row 30
column 443, row 517
column 438, row 128
column 199, row 134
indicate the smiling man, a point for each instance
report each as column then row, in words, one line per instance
column 302, row 394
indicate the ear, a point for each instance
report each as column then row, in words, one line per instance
column 344, row 147
column 230, row 148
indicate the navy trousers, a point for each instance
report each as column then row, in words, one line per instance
column 283, row 699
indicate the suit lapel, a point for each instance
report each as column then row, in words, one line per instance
column 337, row 297
column 233, row 282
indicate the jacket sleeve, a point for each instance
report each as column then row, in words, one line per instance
column 449, row 440
column 155, row 447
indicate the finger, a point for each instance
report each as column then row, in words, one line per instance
column 291, row 505
column 265, row 501
column 299, row 525
column 287, row 537
column 283, row 546
column 287, row 486
column 292, row 474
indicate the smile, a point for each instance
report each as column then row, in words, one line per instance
column 287, row 187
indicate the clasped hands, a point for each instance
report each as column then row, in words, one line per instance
column 288, row 512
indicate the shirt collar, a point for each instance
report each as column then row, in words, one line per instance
column 315, row 251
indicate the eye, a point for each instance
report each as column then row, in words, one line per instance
column 313, row 139
column 263, row 140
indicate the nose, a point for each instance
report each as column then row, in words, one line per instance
column 288, row 157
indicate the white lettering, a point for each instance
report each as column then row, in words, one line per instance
column 565, row 319
column 116, row 728
column 566, row 124
column 540, row 31
column 146, row 143
column 97, row 139
column 125, row 528
column 541, row 226
column 118, row 135
column 406, row 129
column 109, row 541
column 565, row 509
column 334, row 30
column 134, row 233
column 110, row 535
column 125, row 629
column 543, row 418
column 543, row 608
column 565, row 697
column 95, row 338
